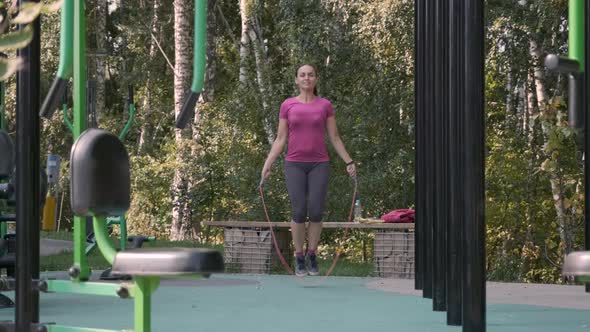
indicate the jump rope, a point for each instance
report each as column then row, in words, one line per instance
column 301, row 280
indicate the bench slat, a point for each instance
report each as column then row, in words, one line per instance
column 264, row 224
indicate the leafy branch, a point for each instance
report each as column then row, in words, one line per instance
column 11, row 38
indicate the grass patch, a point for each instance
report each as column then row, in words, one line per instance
column 63, row 261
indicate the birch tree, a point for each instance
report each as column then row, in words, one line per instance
column 251, row 41
column 182, row 225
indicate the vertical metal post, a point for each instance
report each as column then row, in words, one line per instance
column 474, row 318
column 455, row 224
column 586, row 109
column 419, row 141
column 28, row 210
column 79, row 96
column 428, row 149
column 440, row 156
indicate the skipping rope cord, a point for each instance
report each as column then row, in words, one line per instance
column 338, row 250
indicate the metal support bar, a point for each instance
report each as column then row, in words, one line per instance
column 143, row 303
column 440, row 145
column 455, row 222
column 90, row 288
column 474, row 293
column 419, row 22
column 561, row 64
column 28, row 212
column 428, row 148
column 79, row 96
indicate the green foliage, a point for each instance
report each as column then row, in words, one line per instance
column 534, row 164
column 364, row 53
column 12, row 39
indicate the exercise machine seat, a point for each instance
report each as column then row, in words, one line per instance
column 6, row 155
column 99, row 170
column 100, row 186
column 577, row 264
column 167, row 261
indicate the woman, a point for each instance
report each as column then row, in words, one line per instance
column 303, row 121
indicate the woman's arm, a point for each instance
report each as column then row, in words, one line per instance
column 339, row 145
column 276, row 149
column 336, row 140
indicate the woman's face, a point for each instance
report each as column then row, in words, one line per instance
column 306, row 78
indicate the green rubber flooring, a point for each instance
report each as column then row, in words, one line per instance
column 228, row 303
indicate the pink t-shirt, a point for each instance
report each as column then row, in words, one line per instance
column 307, row 129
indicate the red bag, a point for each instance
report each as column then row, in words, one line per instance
column 400, row 216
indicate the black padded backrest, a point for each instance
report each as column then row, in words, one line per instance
column 6, row 155
column 99, row 170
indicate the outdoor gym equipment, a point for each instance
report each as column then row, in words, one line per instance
column 133, row 241
column 199, row 62
column 100, row 186
column 8, row 202
column 50, row 105
column 576, row 264
column 573, row 64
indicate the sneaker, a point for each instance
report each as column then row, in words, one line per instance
column 313, row 268
column 300, row 269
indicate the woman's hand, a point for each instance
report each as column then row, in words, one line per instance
column 265, row 172
column 351, row 169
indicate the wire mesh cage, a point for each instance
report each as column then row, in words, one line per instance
column 248, row 250
column 394, row 253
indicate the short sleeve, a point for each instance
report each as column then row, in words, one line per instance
column 284, row 110
column 329, row 109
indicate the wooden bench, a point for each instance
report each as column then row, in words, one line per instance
column 248, row 245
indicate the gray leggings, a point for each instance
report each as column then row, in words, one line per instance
column 307, row 183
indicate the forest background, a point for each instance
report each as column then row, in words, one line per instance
column 364, row 54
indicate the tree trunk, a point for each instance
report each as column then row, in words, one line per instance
column 182, row 228
column 556, row 177
column 256, row 42
column 148, row 107
column 244, row 41
column 251, row 40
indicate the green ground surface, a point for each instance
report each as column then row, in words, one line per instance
column 227, row 303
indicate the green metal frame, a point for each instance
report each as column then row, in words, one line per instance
column 67, row 118
column 577, row 34
column 66, row 40
column 70, row 37
column 79, row 123
column 73, row 61
column 200, row 46
column 129, row 121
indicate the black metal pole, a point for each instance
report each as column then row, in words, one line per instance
column 454, row 224
column 429, row 176
column 586, row 82
column 419, row 137
column 28, row 214
column 474, row 318
column 440, row 145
